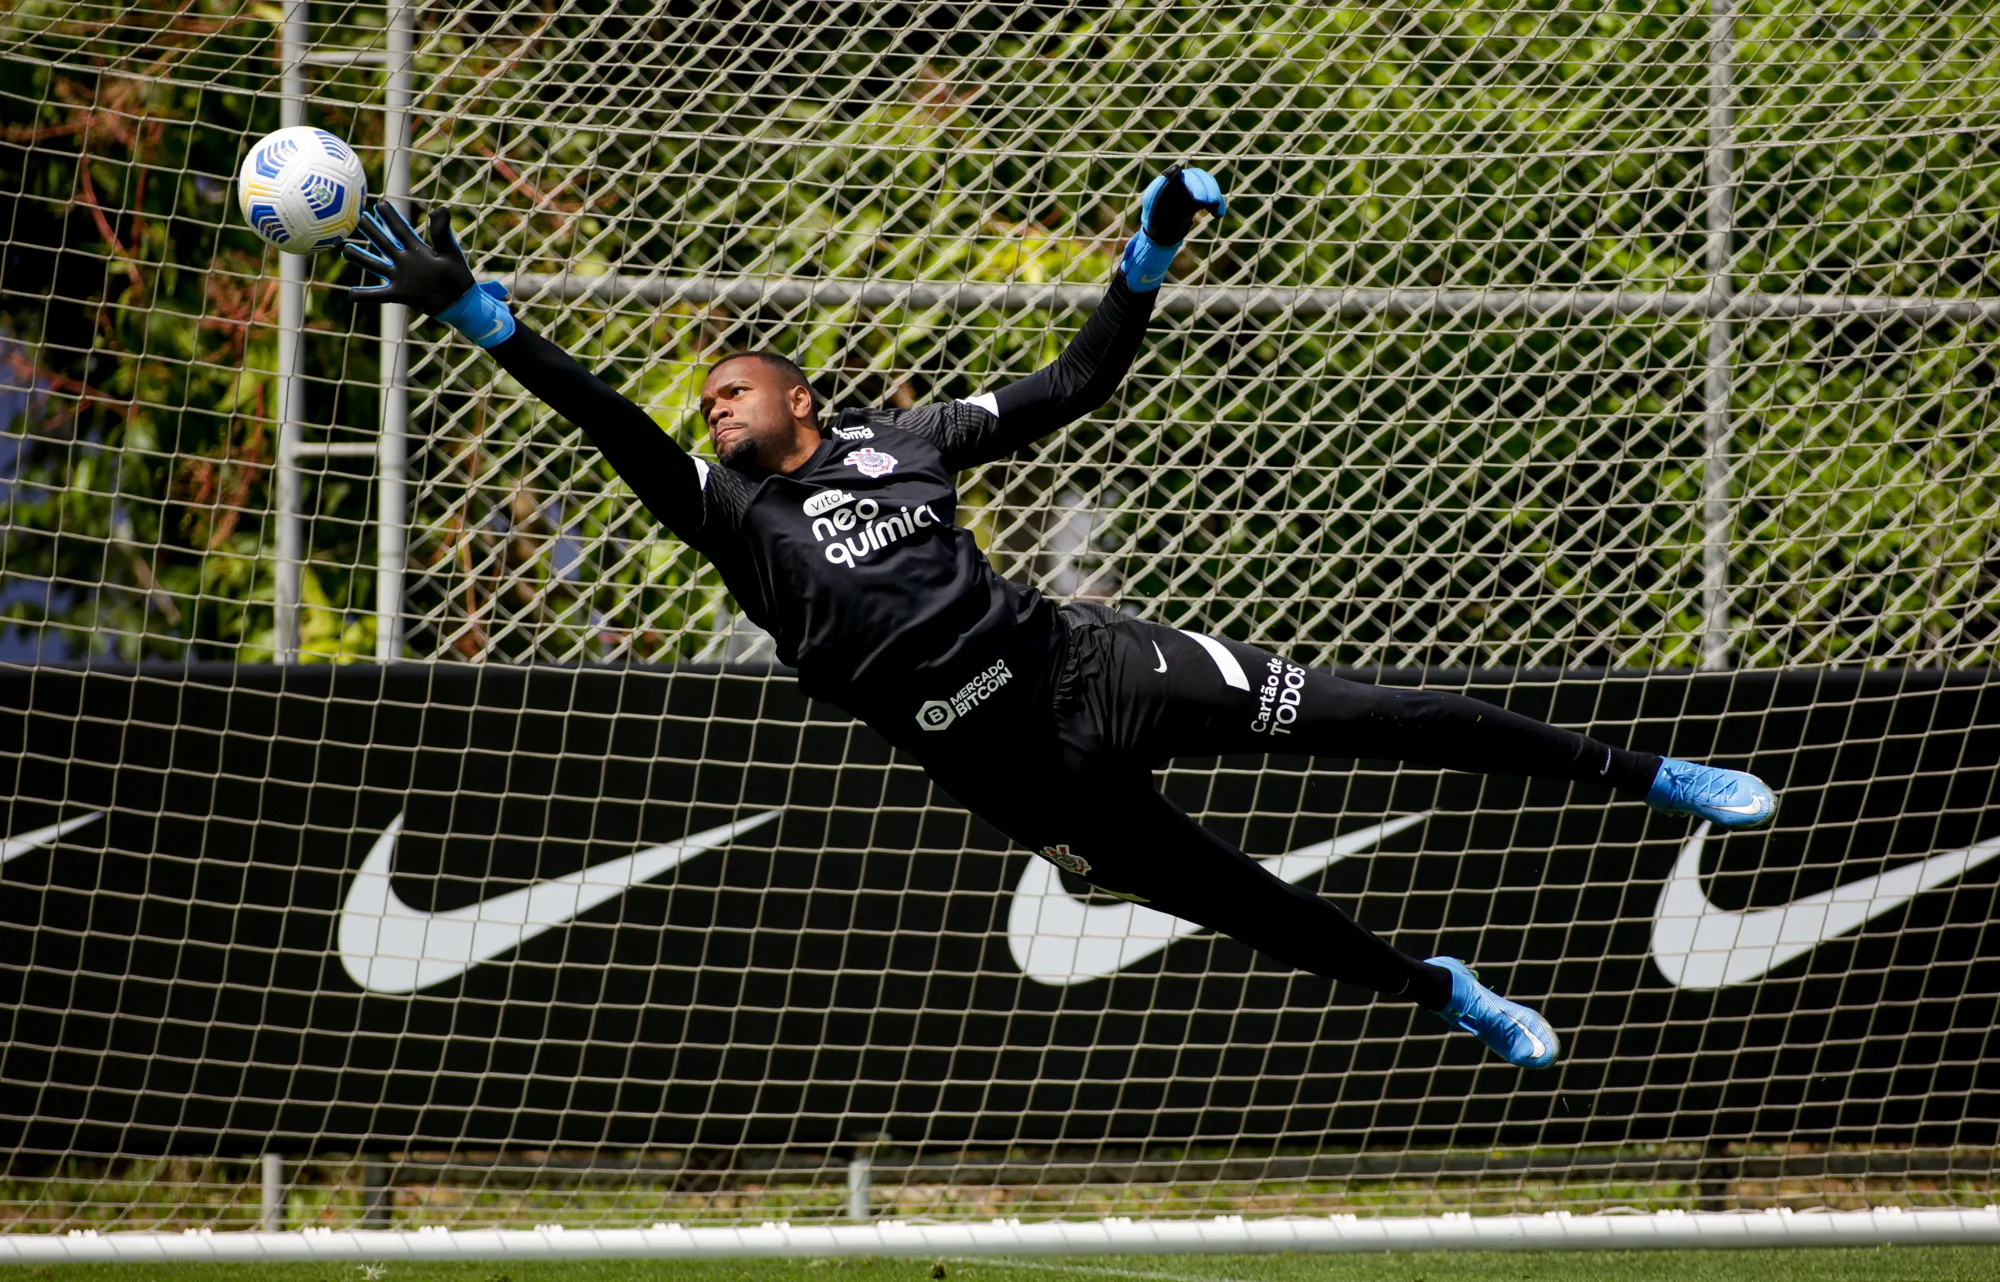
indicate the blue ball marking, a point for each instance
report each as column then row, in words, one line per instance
column 265, row 219
column 272, row 158
column 334, row 146
column 323, row 195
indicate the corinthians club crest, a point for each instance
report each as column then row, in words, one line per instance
column 872, row 462
column 1061, row 858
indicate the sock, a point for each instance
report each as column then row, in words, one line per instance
column 1429, row 986
column 1631, row 773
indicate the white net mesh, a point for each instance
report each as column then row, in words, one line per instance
column 1535, row 337
column 1437, row 392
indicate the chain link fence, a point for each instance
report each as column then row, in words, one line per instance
column 1534, row 335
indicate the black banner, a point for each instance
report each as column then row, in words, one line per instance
column 366, row 906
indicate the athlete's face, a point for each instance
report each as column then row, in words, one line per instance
column 755, row 420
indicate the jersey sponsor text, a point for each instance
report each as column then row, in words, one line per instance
column 936, row 714
column 858, row 530
column 825, row 501
column 1278, row 698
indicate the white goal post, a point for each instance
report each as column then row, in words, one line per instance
column 401, row 834
column 1222, row 1234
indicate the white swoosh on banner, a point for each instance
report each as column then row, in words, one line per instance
column 40, row 837
column 1701, row 947
column 387, row 946
column 1058, row 939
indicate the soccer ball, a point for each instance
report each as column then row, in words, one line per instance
column 301, row 189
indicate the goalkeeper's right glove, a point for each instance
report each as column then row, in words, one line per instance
column 1166, row 215
column 433, row 278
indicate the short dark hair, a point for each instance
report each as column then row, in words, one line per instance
column 786, row 367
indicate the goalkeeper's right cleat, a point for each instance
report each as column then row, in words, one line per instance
column 1520, row 1036
column 1728, row 798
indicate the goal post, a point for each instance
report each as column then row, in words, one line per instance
column 401, row 833
column 1222, row 1234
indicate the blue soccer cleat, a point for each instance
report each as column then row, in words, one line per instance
column 1521, row 1037
column 1729, row 798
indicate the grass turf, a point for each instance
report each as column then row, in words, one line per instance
column 1863, row 1264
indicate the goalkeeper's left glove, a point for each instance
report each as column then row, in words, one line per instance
column 434, row 278
column 1166, row 215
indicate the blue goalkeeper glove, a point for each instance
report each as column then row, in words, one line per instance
column 1166, row 215
column 431, row 277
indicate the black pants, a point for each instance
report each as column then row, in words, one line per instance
column 1075, row 783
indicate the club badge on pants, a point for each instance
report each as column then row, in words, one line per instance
column 1061, row 858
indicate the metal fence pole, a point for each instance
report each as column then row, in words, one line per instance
column 290, row 518
column 860, row 1185
column 272, row 1194
column 1716, row 524
column 378, row 1204
column 1494, row 302
column 861, row 1175
column 391, row 491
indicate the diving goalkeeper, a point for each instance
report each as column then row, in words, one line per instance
column 836, row 533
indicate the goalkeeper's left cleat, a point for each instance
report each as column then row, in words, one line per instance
column 1520, row 1036
column 1728, row 798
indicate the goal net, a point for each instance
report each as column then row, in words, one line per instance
column 386, row 795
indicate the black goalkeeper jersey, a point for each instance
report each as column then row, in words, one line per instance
column 855, row 562
column 856, row 566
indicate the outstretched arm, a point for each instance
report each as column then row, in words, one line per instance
column 676, row 487
column 998, row 423
column 671, row 482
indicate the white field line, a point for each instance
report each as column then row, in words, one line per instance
column 971, row 1262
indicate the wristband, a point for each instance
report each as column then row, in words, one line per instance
column 1145, row 264
column 481, row 315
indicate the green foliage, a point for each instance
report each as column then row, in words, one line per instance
column 142, row 313
column 1435, row 488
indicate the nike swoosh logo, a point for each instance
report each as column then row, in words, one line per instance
column 1162, row 658
column 1541, row 1047
column 48, row 836
column 498, row 325
column 386, row 946
column 1701, row 947
column 1058, row 939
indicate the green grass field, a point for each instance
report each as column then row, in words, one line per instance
column 1866, row 1264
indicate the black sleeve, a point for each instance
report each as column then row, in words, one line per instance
column 687, row 495
column 996, row 424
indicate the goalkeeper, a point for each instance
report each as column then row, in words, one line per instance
column 836, row 533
